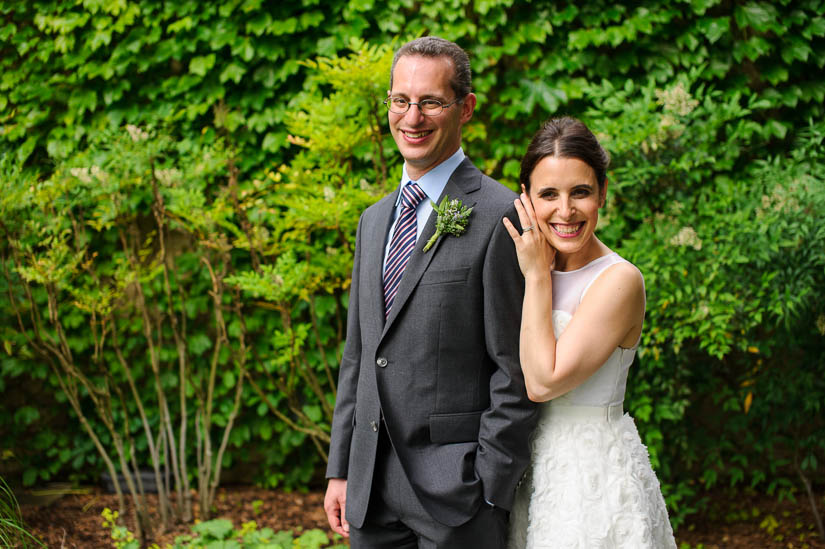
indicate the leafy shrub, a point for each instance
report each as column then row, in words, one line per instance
column 150, row 242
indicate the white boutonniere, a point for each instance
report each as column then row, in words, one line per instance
column 453, row 218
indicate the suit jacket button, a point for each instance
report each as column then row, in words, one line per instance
column 374, row 426
column 382, row 362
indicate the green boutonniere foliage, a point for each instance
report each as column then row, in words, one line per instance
column 453, row 218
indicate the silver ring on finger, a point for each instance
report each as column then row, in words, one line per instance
column 527, row 229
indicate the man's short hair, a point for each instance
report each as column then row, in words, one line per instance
column 432, row 46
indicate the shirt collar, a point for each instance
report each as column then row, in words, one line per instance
column 434, row 181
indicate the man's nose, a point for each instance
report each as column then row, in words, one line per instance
column 414, row 115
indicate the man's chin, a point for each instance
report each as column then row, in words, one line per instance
column 416, row 160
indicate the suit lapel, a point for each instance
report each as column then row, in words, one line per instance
column 465, row 180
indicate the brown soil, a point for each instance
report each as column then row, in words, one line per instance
column 75, row 521
column 753, row 521
column 740, row 522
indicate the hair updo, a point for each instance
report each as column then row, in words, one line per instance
column 565, row 137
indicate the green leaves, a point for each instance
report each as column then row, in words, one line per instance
column 540, row 92
column 222, row 534
column 760, row 16
column 26, row 415
column 217, row 529
column 199, row 343
column 202, row 64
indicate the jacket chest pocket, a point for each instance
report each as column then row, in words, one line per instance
column 446, row 276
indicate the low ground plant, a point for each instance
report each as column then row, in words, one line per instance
column 221, row 533
column 13, row 532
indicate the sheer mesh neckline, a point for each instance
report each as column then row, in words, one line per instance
column 596, row 261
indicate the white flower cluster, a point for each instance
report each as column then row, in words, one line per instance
column 676, row 100
column 86, row 175
column 136, row 133
column 167, row 177
column 782, row 200
column 687, row 237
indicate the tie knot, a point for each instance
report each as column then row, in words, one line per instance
column 411, row 195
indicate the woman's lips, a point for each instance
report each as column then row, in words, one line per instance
column 567, row 230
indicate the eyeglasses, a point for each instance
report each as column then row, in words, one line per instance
column 428, row 107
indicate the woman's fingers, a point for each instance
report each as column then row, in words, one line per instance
column 511, row 229
column 522, row 213
column 528, row 207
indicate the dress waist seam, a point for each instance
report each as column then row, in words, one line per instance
column 610, row 414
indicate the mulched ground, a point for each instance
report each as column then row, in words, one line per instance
column 753, row 521
column 74, row 521
column 747, row 521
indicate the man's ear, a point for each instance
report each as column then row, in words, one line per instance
column 467, row 107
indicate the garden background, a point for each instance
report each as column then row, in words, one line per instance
column 181, row 182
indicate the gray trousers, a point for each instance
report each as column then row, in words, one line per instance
column 397, row 520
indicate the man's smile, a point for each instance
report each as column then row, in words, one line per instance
column 416, row 135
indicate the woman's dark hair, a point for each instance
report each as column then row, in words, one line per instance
column 565, row 137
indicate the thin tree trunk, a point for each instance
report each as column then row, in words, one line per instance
column 314, row 434
column 163, row 494
column 207, row 463
column 165, row 416
column 811, row 498
column 179, row 333
column 71, row 395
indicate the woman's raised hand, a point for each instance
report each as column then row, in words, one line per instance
column 535, row 255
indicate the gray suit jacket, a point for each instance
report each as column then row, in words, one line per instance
column 444, row 368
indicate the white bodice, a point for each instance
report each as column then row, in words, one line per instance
column 607, row 386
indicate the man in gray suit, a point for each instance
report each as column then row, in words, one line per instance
column 431, row 425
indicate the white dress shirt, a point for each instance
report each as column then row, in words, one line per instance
column 432, row 183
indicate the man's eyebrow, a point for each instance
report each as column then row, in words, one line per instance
column 423, row 97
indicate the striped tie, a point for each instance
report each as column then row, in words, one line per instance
column 403, row 242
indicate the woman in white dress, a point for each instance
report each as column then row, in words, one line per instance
column 590, row 484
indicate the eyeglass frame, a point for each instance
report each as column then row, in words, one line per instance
column 387, row 103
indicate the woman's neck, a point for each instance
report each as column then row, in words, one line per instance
column 578, row 259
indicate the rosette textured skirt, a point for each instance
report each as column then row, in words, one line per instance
column 590, row 485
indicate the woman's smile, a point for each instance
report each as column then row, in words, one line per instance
column 568, row 230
